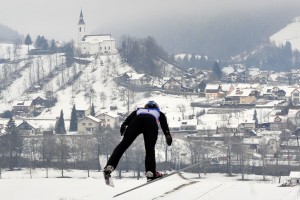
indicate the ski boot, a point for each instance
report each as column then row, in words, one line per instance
column 150, row 176
column 107, row 171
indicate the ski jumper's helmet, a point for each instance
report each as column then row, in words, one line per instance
column 151, row 104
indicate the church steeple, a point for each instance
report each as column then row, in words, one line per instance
column 81, row 28
column 81, row 21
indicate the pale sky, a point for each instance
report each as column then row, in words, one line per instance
column 57, row 19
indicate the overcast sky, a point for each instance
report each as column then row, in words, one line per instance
column 57, row 19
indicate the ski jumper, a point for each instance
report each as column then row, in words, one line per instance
column 145, row 121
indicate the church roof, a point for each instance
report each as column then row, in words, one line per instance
column 81, row 21
column 97, row 38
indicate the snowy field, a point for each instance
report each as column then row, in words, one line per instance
column 19, row 186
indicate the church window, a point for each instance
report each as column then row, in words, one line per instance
column 104, row 48
column 79, row 29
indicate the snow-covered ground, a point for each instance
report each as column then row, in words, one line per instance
column 19, row 186
column 290, row 33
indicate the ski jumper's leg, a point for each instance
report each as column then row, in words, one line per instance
column 150, row 132
column 130, row 135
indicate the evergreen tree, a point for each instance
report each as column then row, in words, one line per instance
column 28, row 41
column 93, row 113
column 60, row 124
column 255, row 119
column 217, row 70
column 41, row 43
column 53, row 47
column 69, row 50
column 202, row 86
column 13, row 143
column 74, row 120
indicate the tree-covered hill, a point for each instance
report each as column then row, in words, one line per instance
column 9, row 35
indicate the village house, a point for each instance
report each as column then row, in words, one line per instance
column 94, row 44
column 188, row 125
column 295, row 177
column 213, row 91
column 244, row 126
column 83, row 111
column 88, row 124
column 137, row 79
column 22, row 108
column 242, row 96
column 294, row 117
column 232, row 77
column 227, row 88
column 109, row 119
column 172, row 84
column 277, row 122
column 255, row 86
column 262, row 78
column 27, row 129
column 251, row 143
column 39, row 104
column 295, row 96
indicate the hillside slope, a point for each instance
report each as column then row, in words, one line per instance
column 290, row 33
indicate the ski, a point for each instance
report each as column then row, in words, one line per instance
column 165, row 176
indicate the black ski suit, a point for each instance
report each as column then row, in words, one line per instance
column 141, row 121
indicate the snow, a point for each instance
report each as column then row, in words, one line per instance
column 290, row 33
column 80, row 187
column 99, row 76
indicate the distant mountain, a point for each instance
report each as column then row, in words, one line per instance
column 9, row 35
column 221, row 36
column 290, row 33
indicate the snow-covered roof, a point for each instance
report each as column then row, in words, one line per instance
column 228, row 69
column 110, row 114
column 295, row 174
column 292, row 113
column 135, row 76
column 247, row 85
column 212, row 86
column 22, row 103
column 240, row 93
column 91, row 118
column 97, row 38
column 226, row 87
column 251, row 140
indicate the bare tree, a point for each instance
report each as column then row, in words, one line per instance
column 182, row 109
column 263, row 150
column 228, row 143
column 103, row 98
column 63, row 151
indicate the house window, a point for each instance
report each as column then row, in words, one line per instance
column 90, row 124
column 83, row 124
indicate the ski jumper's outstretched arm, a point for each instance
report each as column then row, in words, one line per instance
column 165, row 128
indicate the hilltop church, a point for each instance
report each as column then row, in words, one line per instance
column 94, row 44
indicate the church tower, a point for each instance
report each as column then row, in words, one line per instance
column 81, row 28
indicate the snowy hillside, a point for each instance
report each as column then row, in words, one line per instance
column 94, row 84
column 290, row 33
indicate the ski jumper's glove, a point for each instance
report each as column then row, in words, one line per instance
column 123, row 129
column 168, row 139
